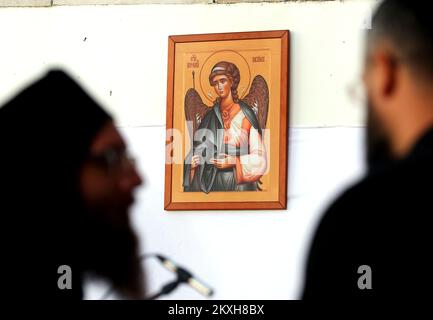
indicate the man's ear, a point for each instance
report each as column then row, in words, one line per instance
column 385, row 73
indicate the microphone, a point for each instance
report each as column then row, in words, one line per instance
column 185, row 276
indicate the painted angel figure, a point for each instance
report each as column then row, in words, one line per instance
column 228, row 153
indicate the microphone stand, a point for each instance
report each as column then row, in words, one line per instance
column 166, row 289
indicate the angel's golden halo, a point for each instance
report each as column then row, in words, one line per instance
column 230, row 56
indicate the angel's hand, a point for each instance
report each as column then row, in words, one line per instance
column 195, row 161
column 224, row 161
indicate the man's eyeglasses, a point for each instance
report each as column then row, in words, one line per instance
column 114, row 160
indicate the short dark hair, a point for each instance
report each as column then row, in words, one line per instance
column 408, row 25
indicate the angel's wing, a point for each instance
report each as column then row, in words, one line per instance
column 258, row 99
column 195, row 110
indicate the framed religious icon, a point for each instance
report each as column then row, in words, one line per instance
column 227, row 121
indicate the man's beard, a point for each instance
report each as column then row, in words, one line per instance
column 112, row 252
column 378, row 146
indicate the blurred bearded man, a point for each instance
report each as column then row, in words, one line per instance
column 373, row 242
column 66, row 184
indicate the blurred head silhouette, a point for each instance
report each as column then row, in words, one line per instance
column 66, row 184
column 399, row 79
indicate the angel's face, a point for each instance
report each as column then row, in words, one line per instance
column 222, row 86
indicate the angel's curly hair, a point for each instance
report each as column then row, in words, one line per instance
column 232, row 72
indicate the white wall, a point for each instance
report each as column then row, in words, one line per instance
column 122, row 50
column 248, row 255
